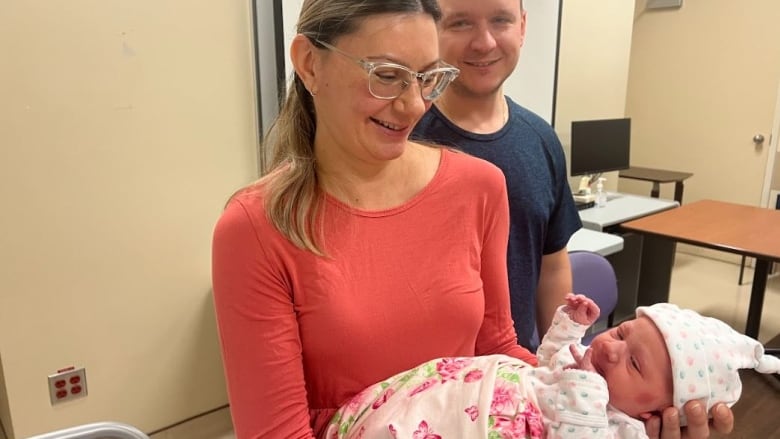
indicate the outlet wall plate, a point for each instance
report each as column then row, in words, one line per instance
column 67, row 384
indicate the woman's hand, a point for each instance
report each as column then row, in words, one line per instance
column 698, row 423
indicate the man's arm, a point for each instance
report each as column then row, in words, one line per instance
column 554, row 284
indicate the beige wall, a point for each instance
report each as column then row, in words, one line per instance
column 123, row 128
column 593, row 66
column 703, row 82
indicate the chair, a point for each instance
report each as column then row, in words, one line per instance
column 98, row 430
column 742, row 269
column 593, row 276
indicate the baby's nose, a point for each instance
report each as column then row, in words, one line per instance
column 613, row 350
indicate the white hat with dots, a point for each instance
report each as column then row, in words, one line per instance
column 706, row 355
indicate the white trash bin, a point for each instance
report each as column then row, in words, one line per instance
column 98, row 430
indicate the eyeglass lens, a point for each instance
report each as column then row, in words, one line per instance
column 389, row 82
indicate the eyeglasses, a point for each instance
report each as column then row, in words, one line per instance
column 389, row 80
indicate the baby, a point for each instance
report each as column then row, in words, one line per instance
column 665, row 356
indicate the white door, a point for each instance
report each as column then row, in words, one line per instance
column 703, row 82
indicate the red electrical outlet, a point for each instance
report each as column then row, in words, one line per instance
column 67, row 384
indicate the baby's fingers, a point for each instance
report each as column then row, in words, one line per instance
column 576, row 354
column 586, row 360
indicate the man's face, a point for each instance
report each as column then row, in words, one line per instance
column 483, row 39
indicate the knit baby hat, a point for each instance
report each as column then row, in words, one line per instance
column 706, row 355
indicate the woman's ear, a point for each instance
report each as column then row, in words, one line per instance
column 303, row 56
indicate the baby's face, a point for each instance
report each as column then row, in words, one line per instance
column 634, row 361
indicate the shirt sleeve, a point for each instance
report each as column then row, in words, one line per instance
column 259, row 336
column 497, row 335
column 553, row 352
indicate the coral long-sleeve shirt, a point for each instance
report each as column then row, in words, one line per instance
column 301, row 333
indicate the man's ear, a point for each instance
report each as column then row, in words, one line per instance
column 303, row 56
column 523, row 28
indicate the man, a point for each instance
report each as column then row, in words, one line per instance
column 483, row 39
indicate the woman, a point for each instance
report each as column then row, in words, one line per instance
column 361, row 253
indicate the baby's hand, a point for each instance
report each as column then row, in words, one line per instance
column 581, row 362
column 581, row 309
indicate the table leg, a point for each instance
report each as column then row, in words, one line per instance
column 655, row 270
column 678, row 191
column 656, row 191
column 757, row 298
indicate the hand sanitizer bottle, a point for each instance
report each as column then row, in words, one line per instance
column 601, row 196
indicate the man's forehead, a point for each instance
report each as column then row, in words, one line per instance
column 467, row 8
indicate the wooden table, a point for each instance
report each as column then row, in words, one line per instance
column 734, row 228
column 658, row 176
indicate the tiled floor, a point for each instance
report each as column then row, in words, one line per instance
column 706, row 285
column 710, row 287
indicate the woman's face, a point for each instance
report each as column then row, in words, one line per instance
column 353, row 126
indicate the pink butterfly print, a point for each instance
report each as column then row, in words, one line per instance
column 474, row 375
column 383, row 398
column 424, row 432
column 425, row 385
column 473, row 412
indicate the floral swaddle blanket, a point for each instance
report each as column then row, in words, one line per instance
column 474, row 397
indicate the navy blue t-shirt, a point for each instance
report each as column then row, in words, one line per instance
column 541, row 207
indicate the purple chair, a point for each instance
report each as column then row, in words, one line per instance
column 593, row 276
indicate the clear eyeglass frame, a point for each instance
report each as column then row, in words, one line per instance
column 385, row 80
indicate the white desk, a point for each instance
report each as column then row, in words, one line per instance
column 597, row 242
column 621, row 208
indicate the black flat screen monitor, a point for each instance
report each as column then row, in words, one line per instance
column 600, row 146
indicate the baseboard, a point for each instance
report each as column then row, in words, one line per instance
column 215, row 423
column 711, row 254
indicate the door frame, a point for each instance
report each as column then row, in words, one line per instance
column 774, row 151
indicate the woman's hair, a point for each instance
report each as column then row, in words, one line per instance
column 293, row 198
